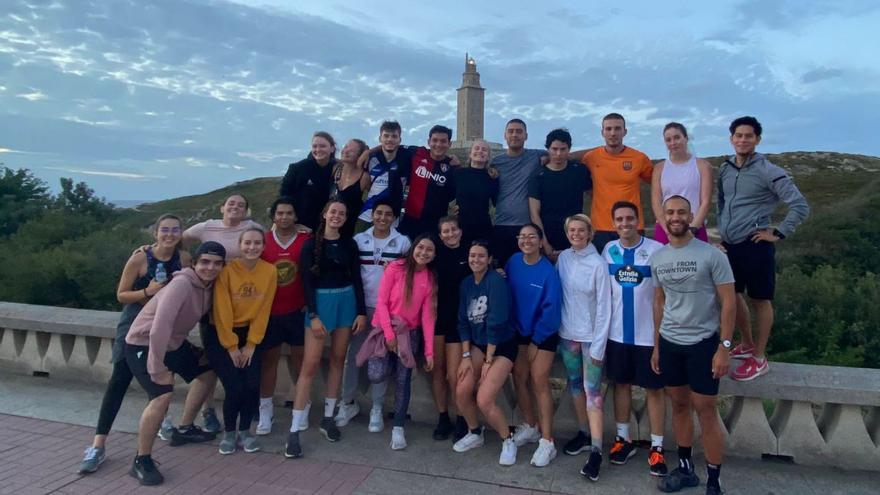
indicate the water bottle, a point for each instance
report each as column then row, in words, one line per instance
column 161, row 275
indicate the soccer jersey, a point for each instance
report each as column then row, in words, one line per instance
column 387, row 179
column 632, row 290
column 616, row 178
column 431, row 189
column 285, row 257
column 375, row 254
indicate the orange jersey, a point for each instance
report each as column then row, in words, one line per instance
column 616, row 178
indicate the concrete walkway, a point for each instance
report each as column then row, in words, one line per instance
column 46, row 424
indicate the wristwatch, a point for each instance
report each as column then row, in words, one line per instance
column 466, row 354
column 726, row 344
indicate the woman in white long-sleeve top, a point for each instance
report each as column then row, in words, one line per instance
column 586, row 321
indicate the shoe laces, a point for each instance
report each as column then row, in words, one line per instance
column 656, row 457
column 617, row 447
column 91, row 452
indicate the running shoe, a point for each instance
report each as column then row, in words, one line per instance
column 346, row 413
column 92, row 458
column 398, row 438
column 292, row 450
column 714, row 490
column 144, row 470
column 329, row 430
column 742, row 351
column 676, row 480
column 657, row 462
column 210, row 421
column 750, row 369
column 249, row 442
column 190, row 434
column 508, row 452
column 621, row 451
column 580, row 443
column 228, row 443
column 470, row 441
column 591, row 468
column 545, row 453
column 526, row 434
column 377, row 424
column 166, row 431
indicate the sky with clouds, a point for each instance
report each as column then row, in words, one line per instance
column 151, row 99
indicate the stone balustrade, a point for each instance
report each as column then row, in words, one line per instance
column 819, row 414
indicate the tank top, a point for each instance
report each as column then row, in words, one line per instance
column 131, row 310
column 353, row 197
column 681, row 179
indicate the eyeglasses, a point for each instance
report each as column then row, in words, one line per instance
column 169, row 230
column 527, row 237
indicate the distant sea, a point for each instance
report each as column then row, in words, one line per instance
column 128, row 203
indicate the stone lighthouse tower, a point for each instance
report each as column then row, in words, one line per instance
column 470, row 103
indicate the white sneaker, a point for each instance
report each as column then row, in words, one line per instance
column 469, row 441
column 346, row 413
column 526, row 434
column 545, row 453
column 264, row 425
column 508, row 452
column 377, row 423
column 398, row 439
column 304, row 419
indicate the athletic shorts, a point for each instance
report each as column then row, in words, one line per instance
column 754, row 268
column 337, row 308
column 503, row 243
column 284, row 329
column 689, row 365
column 551, row 343
column 507, row 349
column 630, row 364
column 187, row 362
column 448, row 332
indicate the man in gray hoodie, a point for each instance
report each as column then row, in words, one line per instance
column 749, row 190
column 156, row 348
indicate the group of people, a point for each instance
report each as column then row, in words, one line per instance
column 392, row 257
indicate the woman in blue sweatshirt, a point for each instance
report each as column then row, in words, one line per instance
column 536, row 315
column 489, row 348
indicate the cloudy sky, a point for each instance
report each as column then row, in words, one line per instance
column 150, row 99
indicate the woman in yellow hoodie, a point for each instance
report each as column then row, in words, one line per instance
column 243, row 295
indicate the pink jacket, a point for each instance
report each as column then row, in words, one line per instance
column 420, row 310
column 168, row 317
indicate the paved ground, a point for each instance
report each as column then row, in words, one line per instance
column 47, row 423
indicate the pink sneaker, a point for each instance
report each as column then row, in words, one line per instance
column 741, row 351
column 750, row 369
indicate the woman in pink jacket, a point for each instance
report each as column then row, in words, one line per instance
column 408, row 300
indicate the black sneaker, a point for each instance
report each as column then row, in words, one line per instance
column 461, row 429
column 190, row 434
column 443, row 429
column 656, row 462
column 621, row 451
column 329, row 430
column 591, row 468
column 714, row 490
column 678, row 479
column 144, row 470
column 580, row 443
column 293, row 450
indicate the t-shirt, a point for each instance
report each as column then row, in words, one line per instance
column 375, row 254
column 514, row 172
column 387, row 179
column 431, row 189
column 285, row 257
column 452, row 268
column 616, row 178
column 215, row 230
column 561, row 193
column 688, row 276
column 632, row 291
column 474, row 190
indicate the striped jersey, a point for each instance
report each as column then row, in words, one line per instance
column 632, row 290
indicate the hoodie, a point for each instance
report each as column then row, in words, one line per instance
column 168, row 317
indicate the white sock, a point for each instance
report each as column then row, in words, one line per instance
column 265, row 402
column 294, row 423
column 623, row 431
column 656, row 440
column 329, row 406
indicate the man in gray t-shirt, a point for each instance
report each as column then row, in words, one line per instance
column 692, row 278
column 515, row 167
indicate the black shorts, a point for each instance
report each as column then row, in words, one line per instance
column 187, row 362
column 503, row 243
column 551, row 343
column 507, row 349
column 754, row 268
column 285, row 329
column 689, row 365
column 631, row 365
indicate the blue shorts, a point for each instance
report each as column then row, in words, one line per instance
column 337, row 308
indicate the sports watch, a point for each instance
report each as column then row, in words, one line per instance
column 726, row 344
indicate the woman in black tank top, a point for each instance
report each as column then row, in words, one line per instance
column 349, row 183
column 145, row 273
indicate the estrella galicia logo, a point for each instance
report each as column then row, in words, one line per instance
column 628, row 276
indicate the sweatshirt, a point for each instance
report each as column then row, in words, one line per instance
column 586, row 298
column 748, row 196
column 419, row 311
column 484, row 310
column 169, row 316
column 537, row 293
column 243, row 297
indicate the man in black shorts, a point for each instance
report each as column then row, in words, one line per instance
column 156, row 348
column 749, row 190
column 691, row 279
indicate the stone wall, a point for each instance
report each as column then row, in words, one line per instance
column 821, row 415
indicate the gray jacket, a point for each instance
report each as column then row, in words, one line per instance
column 748, row 196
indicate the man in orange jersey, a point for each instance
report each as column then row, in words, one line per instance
column 616, row 170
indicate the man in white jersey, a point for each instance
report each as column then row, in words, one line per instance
column 377, row 246
column 631, row 341
column 694, row 302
